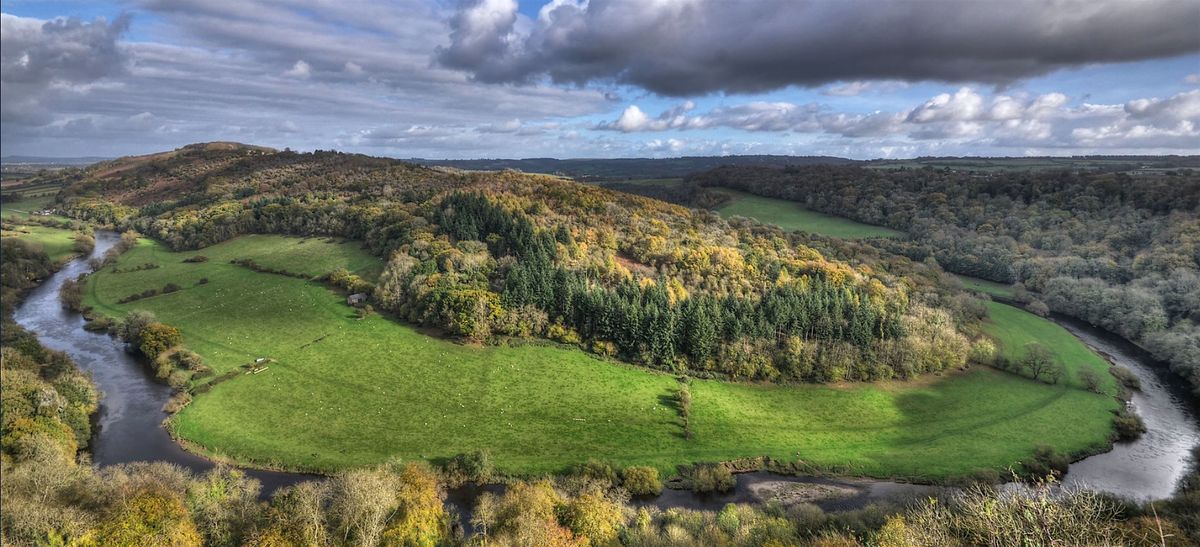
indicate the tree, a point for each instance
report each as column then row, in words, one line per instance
column 362, row 500
column 1038, row 360
column 712, row 478
column 130, row 329
column 224, row 503
column 157, row 338
column 1038, row 308
column 71, row 294
column 594, row 516
column 641, row 481
column 420, row 519
column 150, row 518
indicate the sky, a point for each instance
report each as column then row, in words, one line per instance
column 603, row 78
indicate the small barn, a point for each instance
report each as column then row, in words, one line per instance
column 356, row 299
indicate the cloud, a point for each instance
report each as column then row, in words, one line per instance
column 632, row 120
column 965, row 116
column 687, row 47
column 860, row 87
column 301, row 70
column 41, row 59
column 228, row 69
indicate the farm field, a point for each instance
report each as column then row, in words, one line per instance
column 987, row 287
column 1013, row 328
column 58, row 244
column 790, row 215
column 18, row 209
column 346, row 392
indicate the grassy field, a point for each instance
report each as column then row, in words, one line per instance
column 790, row 215
column 346, row 392
column 21, row 209
column 58, row 243
column 987, row 287
column 1013, row 328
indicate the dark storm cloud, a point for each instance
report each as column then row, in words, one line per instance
column 685, row 47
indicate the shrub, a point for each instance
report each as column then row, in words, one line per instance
column 71, row 294
column 983, row 352
column 131, row 328
column 84, row 243
column 1090, row 380
column 178, row 379
column 1037, row 307
column 170, row 288
column 177, row 402
column 196, row 259
column 596, row 472
column 641, row 481
column 1046, row 461
column 188, row 359
column 1127, row 425
column 203, row 281
column 100, row 324
column 1127, row 378
column 156, row 338
column 470, row 467
column 710, row 478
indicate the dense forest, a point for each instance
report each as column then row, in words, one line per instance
column 1117, row 250
column 488, row 255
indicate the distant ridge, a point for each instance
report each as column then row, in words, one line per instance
column 49, row 160
column 630, row 168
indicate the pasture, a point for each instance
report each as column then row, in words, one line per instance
column 790, row 215
column 58, row 242
column 991, row 288
column 344, row 391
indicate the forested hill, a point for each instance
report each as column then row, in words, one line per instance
column 630, row 168
column 488, row 255
column 1119, row 250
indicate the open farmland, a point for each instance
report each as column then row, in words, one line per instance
column 790, row 215
column 345, row 391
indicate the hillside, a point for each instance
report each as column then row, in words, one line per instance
column 484, row 256
column 1119, row 250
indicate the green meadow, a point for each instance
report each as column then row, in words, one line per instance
column 987, row 287
column 59, row 244
column 344, row 391
column 1013, row 328
column 790, row 215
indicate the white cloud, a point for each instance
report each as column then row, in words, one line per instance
column 301, row 70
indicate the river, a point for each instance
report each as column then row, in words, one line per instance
column 129, row 423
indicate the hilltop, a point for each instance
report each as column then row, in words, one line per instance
column 479, row 255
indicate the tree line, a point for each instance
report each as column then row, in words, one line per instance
column 1119, row 251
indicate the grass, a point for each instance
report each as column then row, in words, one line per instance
column 58, row 243
column 1013, row 328
column 987, row 287
column 20, row 209
column 347, row 392
column 790, row 215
